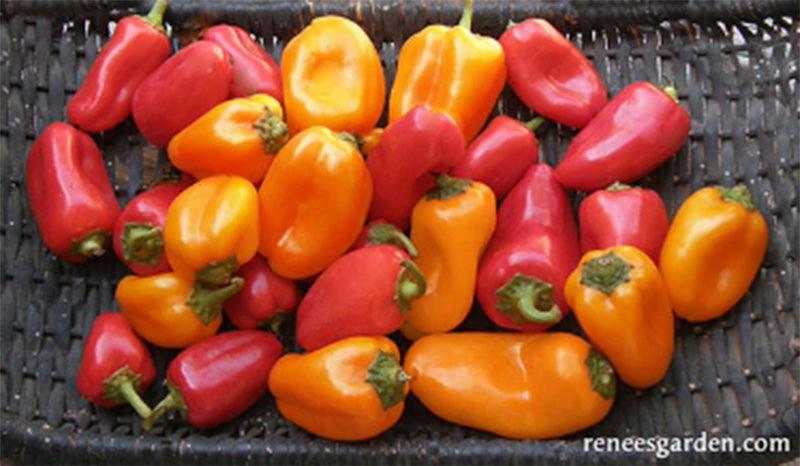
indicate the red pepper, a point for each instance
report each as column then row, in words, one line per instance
column 404, row 164
column 499, row 156
column 364, row 293
column 635, row 133
column 136, row 48
column 622, row 215
column 254, row 71
column 116, row 366
column 534, row 249
column 265, row 299
column 379, row 232
column 70, row 194
column 550, row 75
column 218, row 379
column 182, row 89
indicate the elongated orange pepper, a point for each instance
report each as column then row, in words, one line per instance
column 237, row 137
column 453, row 71
column 623, row 307
column 332, row 76
column 450, row 227
column 712, row 252
column 521, row 386
column 313, row 202
column 353, row 389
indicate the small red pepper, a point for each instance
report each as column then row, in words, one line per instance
column 622, row 215
column 218, row 379
column 404, row 164
column 550, row 75
column 254, row 71
column 182, row 89
column 137, row 47
column 265, row 299
column 631, row 136
column 364, row 293
column 116, row 366
column 379, row 232
column 501, row 154
column 534, row 249
column 70, row 194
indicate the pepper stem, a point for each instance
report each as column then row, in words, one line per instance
column 447, row 187
column 605, row 273
column 91, row 245
column 739, row 194
column 122, row 387
column 410, row 285
column 353, row 139
column 601, row 373
column 142, row 243
column 217, row 273
column 535, row 123
column 387, row 379
column 671, row 92
column 466, row 16
column 385, row 233
column 617, row 186
column 274, row 323
column 206, row 301
column 172, row 402
column 273, row 130
column 525, row 300
column 155, row 17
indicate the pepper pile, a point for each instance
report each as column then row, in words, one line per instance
column 276, row 189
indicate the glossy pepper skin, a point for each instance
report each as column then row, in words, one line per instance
column 630, row 137
column 533, row 251
column 501, row 154
column 137, row 47
column 712, row 252
column 621, row 214
column 214, row 381
column 313, row 203
column 380, row 232
column 557, row 81
column 253, row 71
column 358, row 392
column 332, row 77
column 365, row 292
column 453, row 71
column 623, row 307
column 70, row 194
column 265, row 299
column 116, row 366
column 237, row 137
column 450, row 227
column 514, row 385
column 182, row 89
column 404, row 165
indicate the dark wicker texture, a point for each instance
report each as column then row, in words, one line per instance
column 735, row 64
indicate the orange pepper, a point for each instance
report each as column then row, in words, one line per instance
column 370, row 140
column 521, row 386
column 313, row 201
column 332, row 76
column 712, row 252
column 353, row 389
column 623, row 307
column 453, row 71
column 237, row 137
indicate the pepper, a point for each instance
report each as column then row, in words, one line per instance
column 313, row 202
column 556, row 81
column 265, row 299
column 621, row 215
column 214, row 381
column 501, row 154
column 237, row 137
column 136, row 48
column 358, row 389
column 370, row 140
column 70, row 194
column 514, row 385
column 182, row 89
column 712, row 252
column 450, row 227
column 332, row 77
column 533, row 251
column 403, row 166
column 623, row 307
column 452, row 70
column 630, row 137
column 380, row 232
column 116, row 366
column 253, row 70
column 364, row 292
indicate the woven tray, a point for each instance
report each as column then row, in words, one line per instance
column 735, row 64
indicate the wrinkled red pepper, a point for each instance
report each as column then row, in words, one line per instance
column 631, row 136
column 534, row 249
column 70, row 194
column 404, row 164
column 182, row 89
column 137, row 47
column 550, row 75
column 265, row 299
column 379, row 232
column 364, row 293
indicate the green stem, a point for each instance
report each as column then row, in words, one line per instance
column 739, row 194
column 142, row 243
column 410, row 285
column 617, row 186
column 172, row 402
column 274, row 323
column 466, row 16
column 385, row 233
column 671, row 92
column 387, row 379
column 132, row 397
column 605, row 273
column 601, row 373
column 206, row 302
column 535, row 123
column 122, row 387
column 354, row 139
column 528, row 300
column 155, row 17
column 91, row 245
column 217, row 273
column 447, row 187
column 272, row 130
